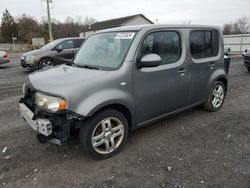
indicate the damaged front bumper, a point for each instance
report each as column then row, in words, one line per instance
column 40, row 125
column 54, row 128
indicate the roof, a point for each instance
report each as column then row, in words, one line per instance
column 159, row 26
column 71, row 38
column 113, row 23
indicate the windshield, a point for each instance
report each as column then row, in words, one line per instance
column 104, row 50
column 52, row 44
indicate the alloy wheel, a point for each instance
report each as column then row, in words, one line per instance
column 46, row 64
column 218, row 96
column 107, row 135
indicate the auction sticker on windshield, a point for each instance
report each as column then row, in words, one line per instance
column 125, row 35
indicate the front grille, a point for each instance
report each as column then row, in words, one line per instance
column 29, row 99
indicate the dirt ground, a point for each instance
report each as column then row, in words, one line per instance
column 193, row 149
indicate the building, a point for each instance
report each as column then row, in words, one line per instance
column 138, row 19
column 237, row 43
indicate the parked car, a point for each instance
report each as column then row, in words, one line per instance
column 227, row 50
column 245, row 52
column 57, row 52
column 246, row 56
column 124, row 78
column 4, row 57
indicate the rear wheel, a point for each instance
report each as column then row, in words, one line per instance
column 216, row 97
column 104, row 134
column 46, row 64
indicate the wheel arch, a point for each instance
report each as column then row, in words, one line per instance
column 119, row 107
column 218, row 75
column 223, row 80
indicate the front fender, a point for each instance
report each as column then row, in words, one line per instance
column 103, row 98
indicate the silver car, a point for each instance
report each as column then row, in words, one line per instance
column 4, row 58
column 125, row 78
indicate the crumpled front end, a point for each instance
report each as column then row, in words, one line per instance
column 54, row 127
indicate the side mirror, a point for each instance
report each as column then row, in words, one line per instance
column 59, row 49
column 149, row 60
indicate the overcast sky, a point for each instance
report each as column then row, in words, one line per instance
column 215, row 12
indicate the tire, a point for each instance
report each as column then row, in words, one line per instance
column 46, row 63
column 248, row 68
column 100, row 135
column 41, row 138
column 215, row 94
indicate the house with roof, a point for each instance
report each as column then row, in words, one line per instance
column 138, row 19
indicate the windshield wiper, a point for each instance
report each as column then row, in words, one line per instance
column 90, row 67
column 86, row 66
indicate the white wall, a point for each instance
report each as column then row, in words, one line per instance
column 237, row 43
column 86, row 34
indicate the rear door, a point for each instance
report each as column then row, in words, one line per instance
column 204, row 48
column 163, row 89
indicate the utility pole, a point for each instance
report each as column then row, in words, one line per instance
column 49, row 20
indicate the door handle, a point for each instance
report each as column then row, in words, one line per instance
column 181, row 71
column 211, row 65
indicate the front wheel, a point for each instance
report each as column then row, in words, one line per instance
column 216, row 97
column 46, row 64
column 103, row 135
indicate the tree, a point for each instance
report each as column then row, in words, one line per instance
column 227, row 29
column 240, row 26
column 8, row 26
column 70, row 27
column 28, row 28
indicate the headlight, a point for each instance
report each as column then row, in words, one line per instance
column 50, row 103
column 24, row 88
column 31, row 58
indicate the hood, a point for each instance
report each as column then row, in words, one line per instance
column 33, row 52
column 64, row 80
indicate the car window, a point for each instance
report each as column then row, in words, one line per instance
column 67, row 44
column 204, row 44
column 78, row 43
column 166, row 44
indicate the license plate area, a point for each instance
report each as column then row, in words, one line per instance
column 42, row 125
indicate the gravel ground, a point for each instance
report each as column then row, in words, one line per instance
column 193, row 149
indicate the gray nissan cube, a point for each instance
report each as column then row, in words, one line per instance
column 124, row 78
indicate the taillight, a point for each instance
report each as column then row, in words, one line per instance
column 5, row 55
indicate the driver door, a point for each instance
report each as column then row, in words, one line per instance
column 67, row 52
column 163, row 89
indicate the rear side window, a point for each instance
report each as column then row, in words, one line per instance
column 166, row 44
column 78, row 43
column 204, row 43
